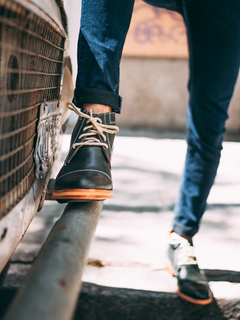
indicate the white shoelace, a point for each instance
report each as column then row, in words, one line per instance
column 96, row 128
column 186, row 253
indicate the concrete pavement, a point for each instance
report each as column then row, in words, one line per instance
column 126, row 277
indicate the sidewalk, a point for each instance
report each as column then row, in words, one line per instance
column 126, row 277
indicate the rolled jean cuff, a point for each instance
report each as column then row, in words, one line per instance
column 184, row 231
column 94, row 95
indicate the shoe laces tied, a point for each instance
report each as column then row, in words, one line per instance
column 186, row 253
column 96, row 128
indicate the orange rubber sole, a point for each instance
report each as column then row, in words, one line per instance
column 170, row 269
column 82, row 194
column 195, row 301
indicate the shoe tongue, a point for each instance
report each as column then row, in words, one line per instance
column 177, row 239
column 106, row 118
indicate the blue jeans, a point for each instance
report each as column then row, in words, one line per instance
column 213, row 29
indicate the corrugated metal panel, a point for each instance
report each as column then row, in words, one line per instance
column 31, row 57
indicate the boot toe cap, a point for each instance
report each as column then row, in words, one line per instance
column 195, row 290
column 84, row 179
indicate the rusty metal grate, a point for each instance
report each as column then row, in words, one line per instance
column 31, row 57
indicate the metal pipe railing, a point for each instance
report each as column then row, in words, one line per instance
column 51, row 289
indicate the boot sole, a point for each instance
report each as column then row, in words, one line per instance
column 170, row 269
column 82, row 194
column 195, row 301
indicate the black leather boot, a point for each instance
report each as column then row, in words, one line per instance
column 86, row 173
column 182, row 263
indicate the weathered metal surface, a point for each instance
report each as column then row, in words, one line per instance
column 67, row 86
column 49, row 127
column 32, row 76
column 14, row 225
column 45, row 9
column 47, row 153
column 44, row 190
column 31, row 64
column 53, row 284
column 50, row 188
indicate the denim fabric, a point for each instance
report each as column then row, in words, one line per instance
column 213, row 28
column 104, row 25
column 214, row 45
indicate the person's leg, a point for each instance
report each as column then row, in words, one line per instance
column 213, row 29
column 86, row 173
column 214, row 45
column 104, row 25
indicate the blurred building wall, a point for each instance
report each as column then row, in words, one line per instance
column 154, row 92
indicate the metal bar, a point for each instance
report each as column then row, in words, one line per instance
column 19, row 71
column 12, row 133
column 4, row 201
column 10, row 154
column 53, row 284
column 20, row 28
column 10, row 173
column 7, row 46
column 21, row 91
column 15, row 112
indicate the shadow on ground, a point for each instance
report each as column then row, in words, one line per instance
column 107, row 303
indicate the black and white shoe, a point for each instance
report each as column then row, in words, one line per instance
column 182, row 263
column 86, row 173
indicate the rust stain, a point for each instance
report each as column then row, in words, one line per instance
column 63, row 284
column 63, row 227
column 3, row 234
column 95, row 263
column 66, row 240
